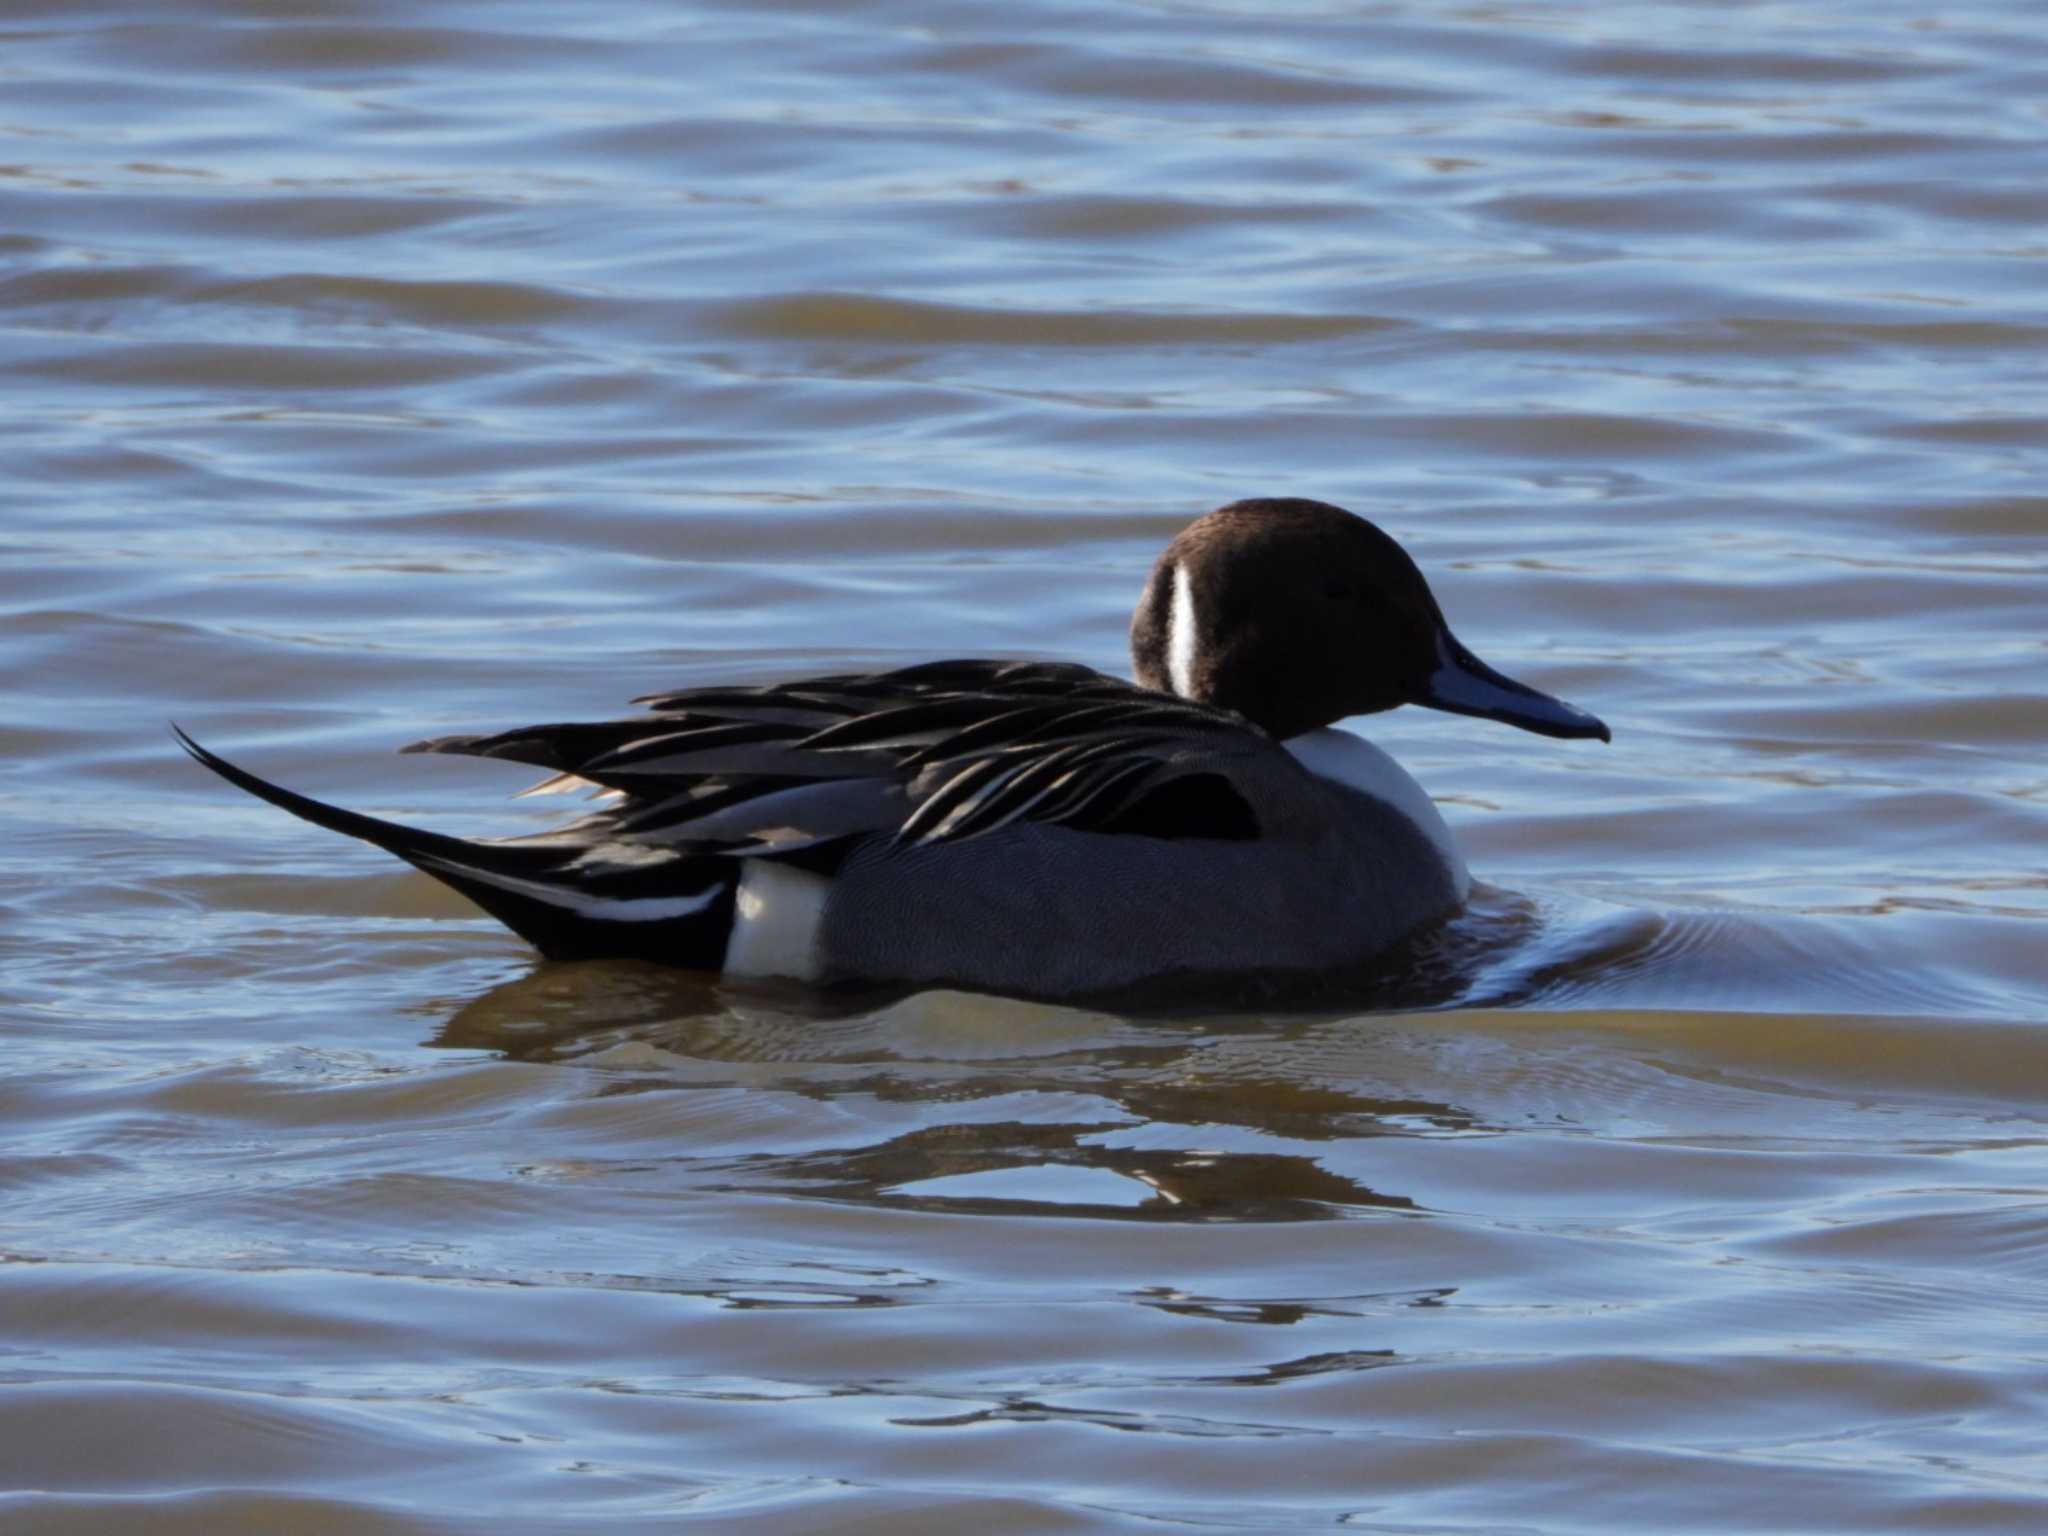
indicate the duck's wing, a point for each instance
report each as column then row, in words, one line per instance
column 805, row 773
column 923, row 755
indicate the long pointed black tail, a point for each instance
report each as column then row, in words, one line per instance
column 568, row 905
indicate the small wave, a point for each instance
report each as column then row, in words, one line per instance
column 854, row 317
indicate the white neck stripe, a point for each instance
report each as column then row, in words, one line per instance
column 1181, row 633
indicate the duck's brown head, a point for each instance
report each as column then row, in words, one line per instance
column 1297, row 614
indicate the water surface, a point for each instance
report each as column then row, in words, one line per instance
column 373, row 372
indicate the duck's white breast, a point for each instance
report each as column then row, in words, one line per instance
column 1358, row 764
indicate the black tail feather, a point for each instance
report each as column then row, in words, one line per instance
column 531, row 889
column 388, row 835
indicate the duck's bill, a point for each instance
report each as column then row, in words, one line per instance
column 1465, row 685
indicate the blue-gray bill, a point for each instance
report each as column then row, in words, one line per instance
column 1465, row 685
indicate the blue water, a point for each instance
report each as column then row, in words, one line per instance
column 374, row 372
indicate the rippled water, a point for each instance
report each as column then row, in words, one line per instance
column 375, row 371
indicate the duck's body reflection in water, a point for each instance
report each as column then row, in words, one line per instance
column 1184, row 1077
column 1249, row 1108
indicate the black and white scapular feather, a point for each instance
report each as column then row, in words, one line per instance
column 1024, row 826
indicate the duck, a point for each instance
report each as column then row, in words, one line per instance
column 1032, row 828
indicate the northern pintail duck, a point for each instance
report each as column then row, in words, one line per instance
column 1020, row 826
